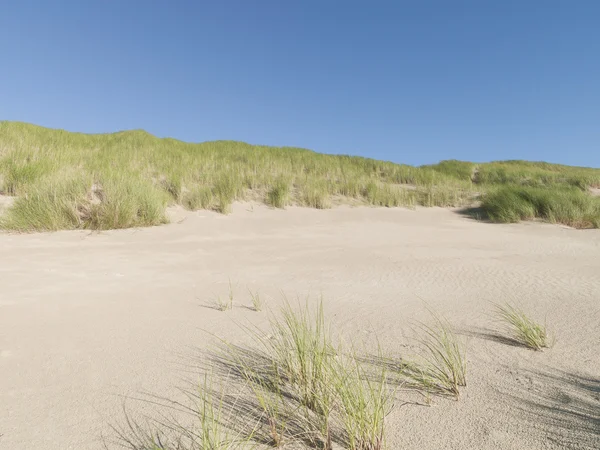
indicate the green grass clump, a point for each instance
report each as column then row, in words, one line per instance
column 50, row 205
column 316, row 195
column 365, row 401
column 522, row 328
column 201, row 197
column 568, row 206
column 307, row 389
column 291, row 377
column 221, row 303
column 279, row 195
column 227, row 189
column 301, row 343
column 76, row 202
column 508, row 205
column 126, row 203
column 273, row 410
column 330, row 384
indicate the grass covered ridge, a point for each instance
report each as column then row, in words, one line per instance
column 64, row 180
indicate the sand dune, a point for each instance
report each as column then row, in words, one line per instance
column 88, row 318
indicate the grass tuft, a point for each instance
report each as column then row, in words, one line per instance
column 222, row 303
column 279, row 195
column 522, row 328
column 302, row 345
column 49, row 206
column 365, row 402
column 291, row 378
column 201, row 197
column 316, row 195
column 125, row 203
column 443, row 368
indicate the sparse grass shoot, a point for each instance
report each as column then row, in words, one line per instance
column 206, row 431
column 230, row 296
column 257, row 301
column 221, row 303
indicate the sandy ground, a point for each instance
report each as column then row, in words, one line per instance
column 86, row 319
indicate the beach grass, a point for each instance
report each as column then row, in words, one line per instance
column 206, row 427
column 565, row 205
column 441, row 367
column 521, row 327
column 307, row 388
column 257, row 301
column 365, row 399
column 65, row 180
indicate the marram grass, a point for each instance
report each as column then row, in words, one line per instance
column 522, row 328
column 65, row 180
column 442, row 364
column 569, row 206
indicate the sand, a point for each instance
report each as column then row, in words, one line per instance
column 87, row 319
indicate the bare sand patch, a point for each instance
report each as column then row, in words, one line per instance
column 88, row 318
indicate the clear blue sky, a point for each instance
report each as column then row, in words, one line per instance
column 409, row 81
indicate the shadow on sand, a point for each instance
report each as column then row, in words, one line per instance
column 488, row 334
column 559, row 406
